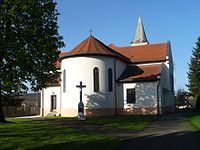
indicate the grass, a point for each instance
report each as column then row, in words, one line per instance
column 27, row 134
column 133, row 123
column 194, row 119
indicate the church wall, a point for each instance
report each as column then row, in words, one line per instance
column 165, row 77
column 81, row 69
column 146, row 98
column 120, row 95
column 170, row 68
column 167, row 90
column 168, row 101
column 120, row 67
column 46, row 101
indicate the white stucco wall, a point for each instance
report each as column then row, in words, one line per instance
column 168, row 68
column 146, row 94
column 168, row 99
column 119, row 95
column 166, row 83
column 120, row 67
column 165, row 77
column 81, row 69
column 46, row 100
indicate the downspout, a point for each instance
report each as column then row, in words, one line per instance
column 115, row 88
column 60, row 99
column 158, row 95
column 61, row 82
column 42, row 102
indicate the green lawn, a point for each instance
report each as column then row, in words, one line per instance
column 30, row 134
column 134, row 123
column 194, row 119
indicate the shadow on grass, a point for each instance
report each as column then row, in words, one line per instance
column 97, row 145
column 28, row 134
column 117, row 126
column 174, row 141
column 7, row 122
column 129, row 123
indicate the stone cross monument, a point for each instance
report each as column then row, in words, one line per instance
column 81, row 115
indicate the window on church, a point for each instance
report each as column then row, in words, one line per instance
column 53, row 102
column 64, row 80
column 96, row 79
column 130, row 95
column 110, row 80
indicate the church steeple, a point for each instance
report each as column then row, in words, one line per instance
column 140, row 36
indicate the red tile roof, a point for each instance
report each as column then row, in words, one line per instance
column 140, row 73
column 143, row 53
column 92, row 46
column 62, row 54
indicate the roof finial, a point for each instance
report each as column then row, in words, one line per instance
column 140, row 36
column 90, row 32
column 140, row 13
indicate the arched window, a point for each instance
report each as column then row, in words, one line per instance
column 110, row 80
column 96, row 79
column 64, row 80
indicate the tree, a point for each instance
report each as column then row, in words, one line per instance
column 194, row 71
column 182, row 98
column 29, row 43
column 198, row 103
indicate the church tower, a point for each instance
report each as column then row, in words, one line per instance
column 140, row 36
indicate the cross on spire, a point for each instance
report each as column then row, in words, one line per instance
column 140, row 13
column 90, row 32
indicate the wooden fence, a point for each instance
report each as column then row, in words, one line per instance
column 13, row 111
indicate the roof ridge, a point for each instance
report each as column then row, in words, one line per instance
column 142, row 45
column 102, row 44
column 93, row 46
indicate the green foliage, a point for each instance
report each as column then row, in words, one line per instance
column 182, row 98
column 29, row 43
column 198, row 103
column 194, row 71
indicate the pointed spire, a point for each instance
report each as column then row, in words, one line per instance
column 140, row 36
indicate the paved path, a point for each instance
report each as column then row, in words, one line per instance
column 167, row 132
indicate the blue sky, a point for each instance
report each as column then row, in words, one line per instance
column 114, row 21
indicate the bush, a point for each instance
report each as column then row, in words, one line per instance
column 182, row 98
column 198, row 103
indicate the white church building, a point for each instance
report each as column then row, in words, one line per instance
column 127, row 80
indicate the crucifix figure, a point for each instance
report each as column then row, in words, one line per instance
column 81, row 105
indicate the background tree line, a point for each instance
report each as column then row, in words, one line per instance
column 182, row 96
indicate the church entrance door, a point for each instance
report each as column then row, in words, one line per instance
column 53, row 102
